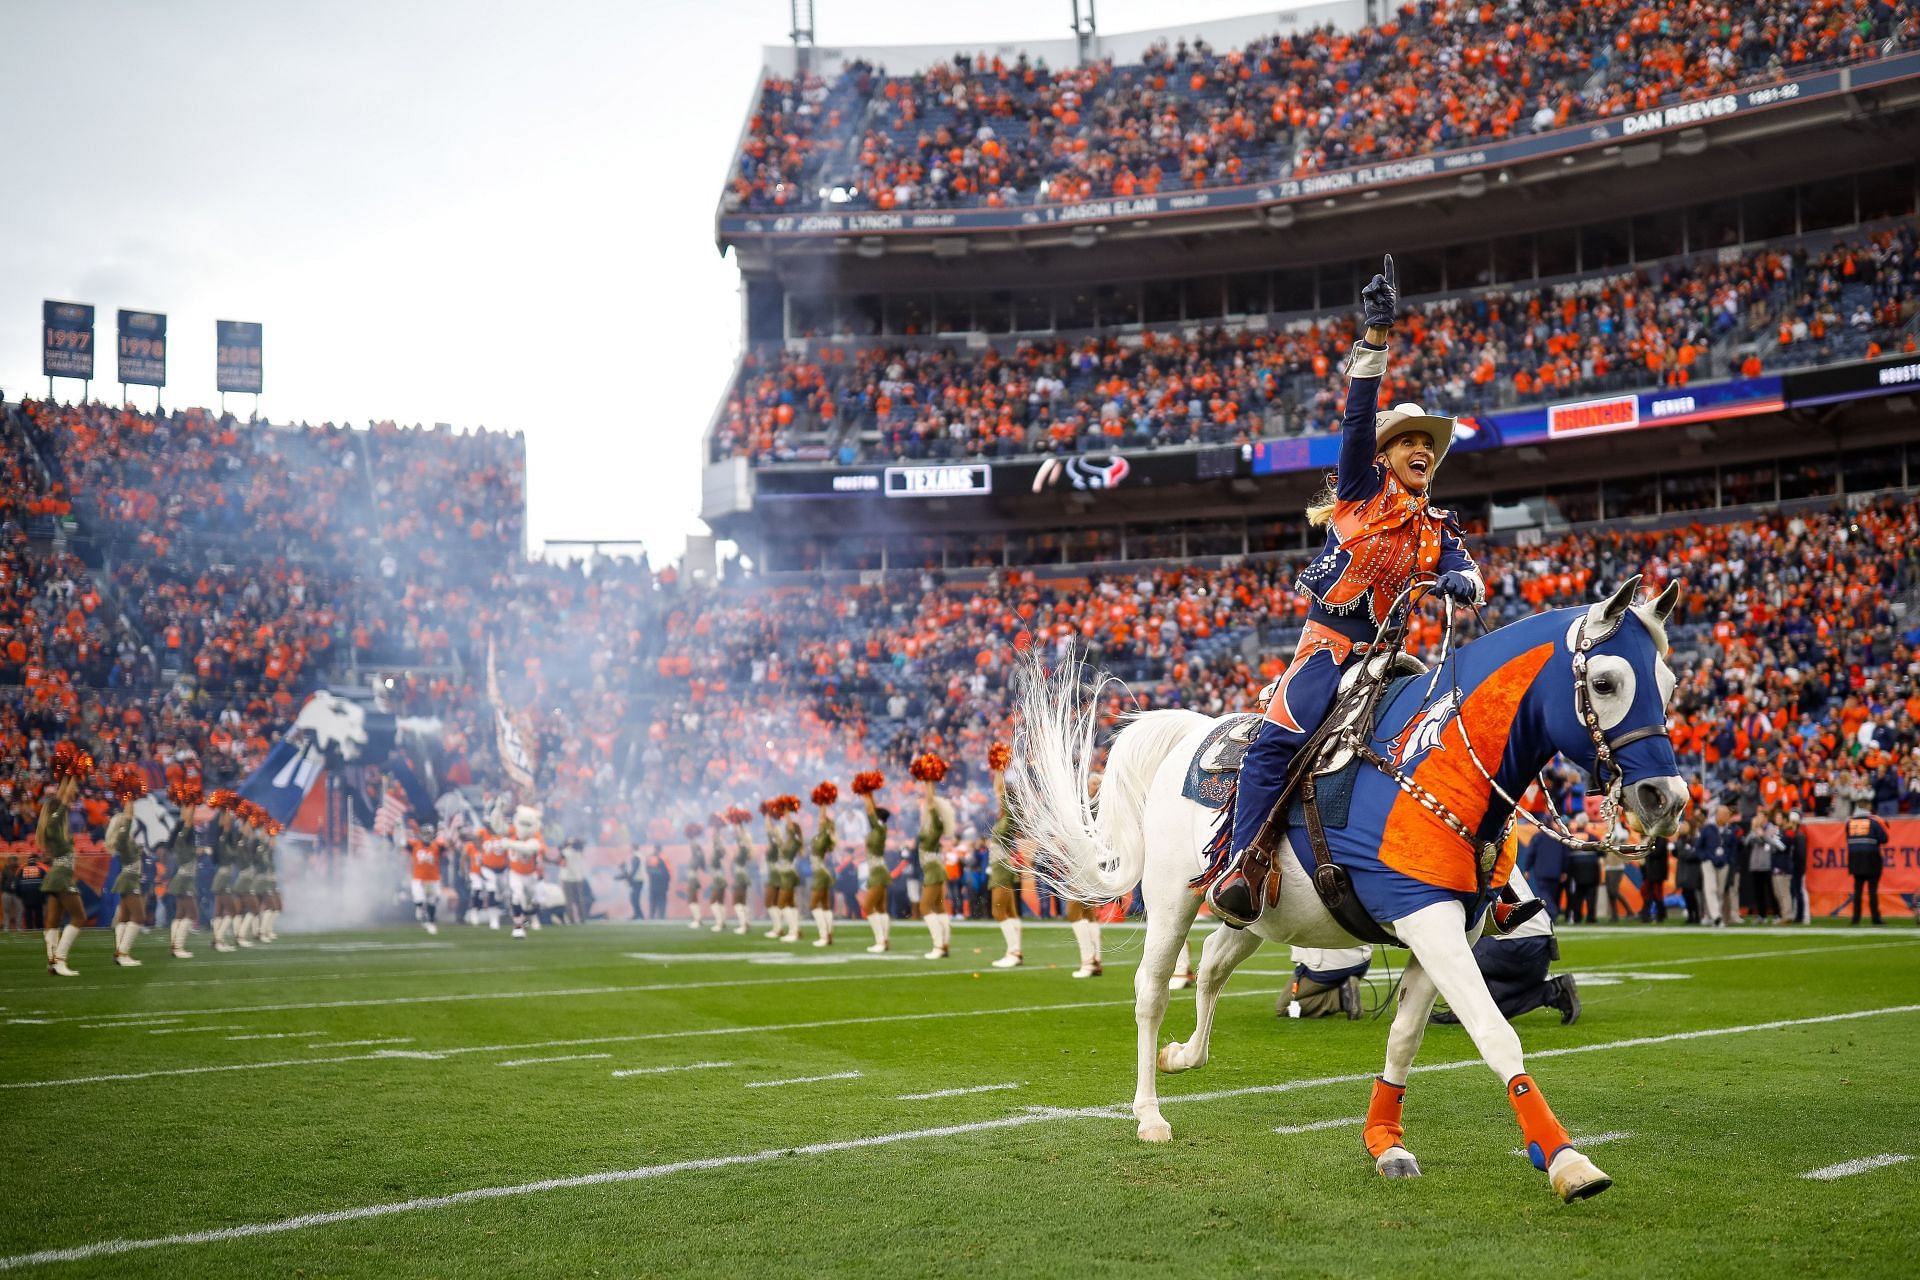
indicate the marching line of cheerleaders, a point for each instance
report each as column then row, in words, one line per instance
column 236, row 845
column 719, row 882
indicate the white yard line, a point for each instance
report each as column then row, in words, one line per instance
column 150, row 1022
column 1031, row 1116
column 1590, row 1140
column 110, row 1248
column 1318, row 1125
column 1847, row 1168
column 187, row 1031
column 280, row 1035
column 955, row 1093
column 769, row 1028
column 563, row 993
column 354, row 1044
column 1603, row 1046
column 776, row 1084
column 357, row 975
column 565, row 1057
column 661, row 1071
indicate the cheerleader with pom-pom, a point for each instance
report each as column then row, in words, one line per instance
column 66, row 913
column 874, row 901
column 936, row 820
column 128, row 784
column 820, row 899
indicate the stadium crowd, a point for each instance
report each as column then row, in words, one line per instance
column 1698, row 319
column 1438, row 75
column 162, row 634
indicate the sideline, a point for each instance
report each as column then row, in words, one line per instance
column 1038, row 1115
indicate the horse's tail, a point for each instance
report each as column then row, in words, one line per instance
column 1089, row 852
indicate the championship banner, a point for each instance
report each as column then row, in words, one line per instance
column 237, row 355
column 1830, row 886
column 143, row 348
column 66, row 340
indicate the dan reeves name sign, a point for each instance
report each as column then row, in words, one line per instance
column 1492, row 155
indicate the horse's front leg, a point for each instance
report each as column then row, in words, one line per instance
column 1383, row 1131
column 1219, row 957
column 1437, row 936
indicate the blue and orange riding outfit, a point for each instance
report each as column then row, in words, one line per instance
column 1380, row 534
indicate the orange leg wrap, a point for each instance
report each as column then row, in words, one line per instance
column 1538, row 1126
column 1383, row 1129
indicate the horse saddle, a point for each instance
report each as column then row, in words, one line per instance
column 1215, row 768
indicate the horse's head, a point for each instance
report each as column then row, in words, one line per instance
column 1615, row 725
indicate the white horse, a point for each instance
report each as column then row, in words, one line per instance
column 1606, row 682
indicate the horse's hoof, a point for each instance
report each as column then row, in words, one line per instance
column 1397, row 1162
column 1156, row 1131
column 1575, row 1177
column 1170, row 1060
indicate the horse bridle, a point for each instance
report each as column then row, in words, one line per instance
column 1604, row 748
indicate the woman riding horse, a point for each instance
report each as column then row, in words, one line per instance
column 1381, row 532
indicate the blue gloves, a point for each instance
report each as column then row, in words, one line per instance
column 1380, row 300
column 1455, row 586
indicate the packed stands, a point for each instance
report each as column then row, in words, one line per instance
column 1439, row 75
column 1783, row 306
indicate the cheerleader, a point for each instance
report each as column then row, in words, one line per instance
column 226, row 867
column 66, row 913
column 182, row 858
column 696, row 866
column 742, row 865
column 874, row 901
column 717, row 892
column 1003, row 877
column 936, row 819
column 128, row 784
column 267, row 875
column 820, row 899
column 790, row 843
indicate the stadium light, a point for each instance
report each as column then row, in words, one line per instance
column 870, row 247
column 1473, row 185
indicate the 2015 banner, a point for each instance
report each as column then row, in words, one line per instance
column 66, row 340
column 238, row 355
column 143, row 348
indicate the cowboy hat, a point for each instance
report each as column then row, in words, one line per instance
column 1408, row 417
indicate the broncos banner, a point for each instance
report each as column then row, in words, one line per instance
column 66, row 340
column 332, row 732
column 515, row 757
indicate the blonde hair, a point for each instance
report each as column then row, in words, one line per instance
column 1320, row 510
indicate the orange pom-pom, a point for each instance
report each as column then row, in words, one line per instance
column 127, row 782
column 868, row 781
column 222, row 799
column 928, row 767
column 186, row 791
column 999, row 756
column 738, row 815
column 692, row 830
column 770, row 808
column 69, row 761
column 787, row 804
column 826, row 793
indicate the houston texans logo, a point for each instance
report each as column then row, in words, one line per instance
column 1423, row 735
column 1082, row 473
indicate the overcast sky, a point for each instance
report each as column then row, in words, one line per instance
column 466, row 212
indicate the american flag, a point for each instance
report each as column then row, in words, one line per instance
column 392, row 813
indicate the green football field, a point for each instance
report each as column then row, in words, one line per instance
column 623, row 1100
